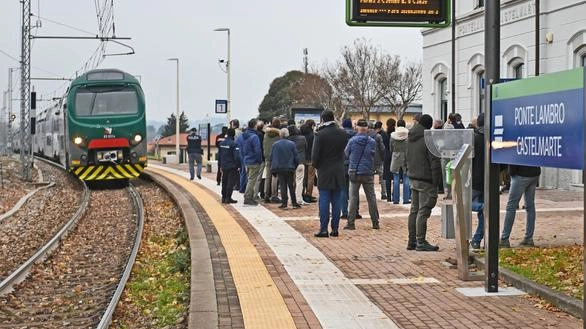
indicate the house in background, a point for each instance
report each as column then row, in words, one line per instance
column 166, row 146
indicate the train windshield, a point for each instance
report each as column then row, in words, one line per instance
column 91, row 101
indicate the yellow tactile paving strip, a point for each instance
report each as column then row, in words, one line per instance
column 261, row 303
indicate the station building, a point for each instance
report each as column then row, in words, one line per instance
column 562, row 46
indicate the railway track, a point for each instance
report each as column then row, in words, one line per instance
column 79, row 284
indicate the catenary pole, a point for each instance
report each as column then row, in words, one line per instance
column 25, row 56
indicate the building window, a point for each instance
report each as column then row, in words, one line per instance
column 518, row 71
column 583, row 60
column 481, row 91
column 443, row 98
column 478, row 4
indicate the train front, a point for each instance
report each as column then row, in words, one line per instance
column 106, row 126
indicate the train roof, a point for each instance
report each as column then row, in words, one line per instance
column 105, row 75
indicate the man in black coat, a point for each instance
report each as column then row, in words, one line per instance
column 328, row 158
column 424, row 171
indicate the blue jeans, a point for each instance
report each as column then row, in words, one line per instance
column 521, row 185
column 478, row 206
column 243, row 175
column 406, row 188
column 327, row 198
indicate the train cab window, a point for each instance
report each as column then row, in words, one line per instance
column 90, row 101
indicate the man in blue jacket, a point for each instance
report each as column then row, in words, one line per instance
column 284, row 161
column 360, row 152
column 229, row 161
column 251, row 153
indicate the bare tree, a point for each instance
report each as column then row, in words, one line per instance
column 355, row 77
column 315, row 90
column 402, row 88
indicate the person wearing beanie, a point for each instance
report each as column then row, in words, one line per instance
column 347, row 123
column 424, row 171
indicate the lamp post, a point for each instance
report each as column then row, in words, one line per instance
column 177, row 121
column 228, row 64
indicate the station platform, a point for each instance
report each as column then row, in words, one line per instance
column 284, row 277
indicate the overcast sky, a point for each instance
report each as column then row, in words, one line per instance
column 267, row 40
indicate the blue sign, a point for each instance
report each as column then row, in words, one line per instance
column 540, row 121
column 221, row 106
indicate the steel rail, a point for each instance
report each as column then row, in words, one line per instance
column 21, row 273
column 138, row 204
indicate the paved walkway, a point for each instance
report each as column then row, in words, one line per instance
column 366, row 278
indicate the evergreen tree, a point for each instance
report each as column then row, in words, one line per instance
column 169, row 128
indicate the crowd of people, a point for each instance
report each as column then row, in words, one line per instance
column 283, row 161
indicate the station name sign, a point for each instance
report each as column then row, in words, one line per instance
column 540, row 121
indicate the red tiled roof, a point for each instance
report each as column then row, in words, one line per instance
column 170, row 140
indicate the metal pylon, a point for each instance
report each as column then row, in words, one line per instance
column 25, row 57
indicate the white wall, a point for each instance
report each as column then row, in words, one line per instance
column 564, row 20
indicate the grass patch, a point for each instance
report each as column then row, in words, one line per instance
column 160, row 282
column 559, row 268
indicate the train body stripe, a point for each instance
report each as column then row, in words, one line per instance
column 96, row 172
column 129, row 167
column 100, row 172
column 123, row 172
column 86, row 172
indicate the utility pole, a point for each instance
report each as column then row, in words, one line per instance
column 492, row 50
column 10, row 137
column 305, row 60
column 25, row 57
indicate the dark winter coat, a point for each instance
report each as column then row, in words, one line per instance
column 229, row 154
column 249, row 145
column 525, row 171
column 360, row 153
column 328, row 156
column 478, row 160
column 284, row 156
column 300, row 146
column 421, row 163
column 194, row 143
column 308, row 133
column 349, row 134
column 379, row 153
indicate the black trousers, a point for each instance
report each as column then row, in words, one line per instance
column 229, row 179
column 287, row 181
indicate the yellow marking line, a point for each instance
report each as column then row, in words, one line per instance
column 261, row 302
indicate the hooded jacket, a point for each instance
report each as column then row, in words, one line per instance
column 399, row 148
column 360, row 152
column 421, row 164
column 249, row 145
column 271, row 136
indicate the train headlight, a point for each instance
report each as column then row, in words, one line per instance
column 137, row 138
column 78, row 140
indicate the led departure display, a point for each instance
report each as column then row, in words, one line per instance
column 399, row 11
